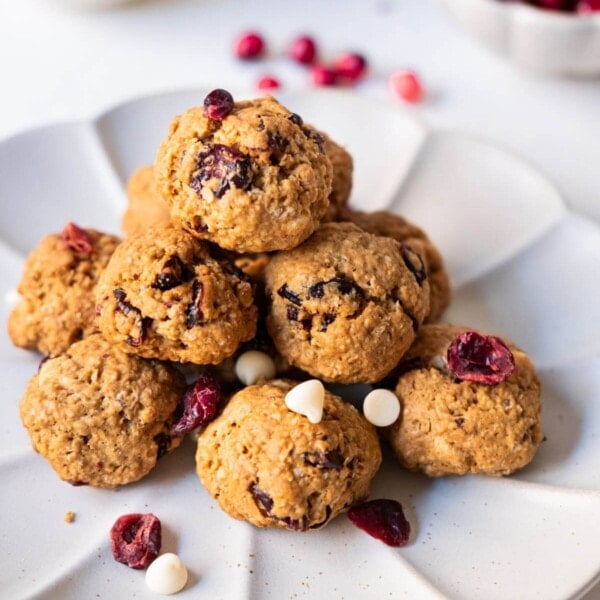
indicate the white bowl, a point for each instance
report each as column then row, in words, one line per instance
column 544, row 41
column 93, row 4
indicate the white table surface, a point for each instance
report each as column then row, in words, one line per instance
column 59, row 64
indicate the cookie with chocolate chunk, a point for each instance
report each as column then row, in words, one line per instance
column 57, row 289
column 397, row 227
column 165, row 294
column 145, row 207
column 346, row 304
column 99, row 416
column 274, row 468
column 248, row 175
column 470, row 404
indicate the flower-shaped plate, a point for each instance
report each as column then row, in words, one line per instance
column 522, row 265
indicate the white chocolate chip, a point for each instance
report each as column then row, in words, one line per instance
column 166, row 574
column 253, row 365
column 439, row 362
column 12, row 298
column 381, row 407
column 307, row 399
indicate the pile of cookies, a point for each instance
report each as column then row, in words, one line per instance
column 240, row 240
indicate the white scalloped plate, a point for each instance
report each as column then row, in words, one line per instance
column 522, row 266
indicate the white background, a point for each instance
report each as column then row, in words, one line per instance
column 59, row 63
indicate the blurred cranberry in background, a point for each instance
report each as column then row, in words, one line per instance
column 303, row 50
column 249, row 45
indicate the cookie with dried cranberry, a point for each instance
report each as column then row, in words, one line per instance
column 341, row 186
column 145, row 207
column 57, row 301
column 397, row 227
column 100, row 416
column 274, row 468
column 248, row 175
column 166, row 294
column 470, row 404
column 346, row 304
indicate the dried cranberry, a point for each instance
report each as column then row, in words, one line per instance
column 173, row 273
column 480, row 358
column 345, row 287
column 324, row 460
column 76, row 482
column 285, row 292
column 317, row 290
column 198, row 405
column 303, row 50
column 262, row 499
column 584, row 7
column 328, row 319
column 296, row 119
column 136, row 539
column 414, row 262
column 316, row 137
column 323, row 76
column 230, row 166
column 194, row 313
column 218, row 104
column 77, row 239
column 295, row 524
column 268, row 83
column 265, row 503
column 351, row 66
column 249, row 45
column 127, row 308
column 382, row 519
column 163, row 444
column 562, row 5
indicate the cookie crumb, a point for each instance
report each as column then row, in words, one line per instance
column 69, row 516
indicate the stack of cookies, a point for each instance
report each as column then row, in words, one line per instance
column 240, row 238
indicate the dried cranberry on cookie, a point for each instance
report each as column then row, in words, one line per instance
column 248, row 175
column 470, row 404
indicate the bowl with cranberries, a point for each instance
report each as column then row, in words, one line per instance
column 553, row 37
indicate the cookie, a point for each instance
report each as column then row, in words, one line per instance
column 346, row 304
column 274, row 468
column 99, row 416
column 453, row 426
column 341, row 186
column 165, row 294
column 397, row 227
column 57, row 290
column 252, row 263
column 255, row 180
column 145, row 207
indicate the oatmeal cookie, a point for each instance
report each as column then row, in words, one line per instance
column 57, row 288
column 255, row 180
column 99, row 416
column 397, row 227
column 252, row 263
column 341, row 186
column 165, row 294
column 346, row 304
column 145, row 205
column 453, row 426
column 274, row 468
